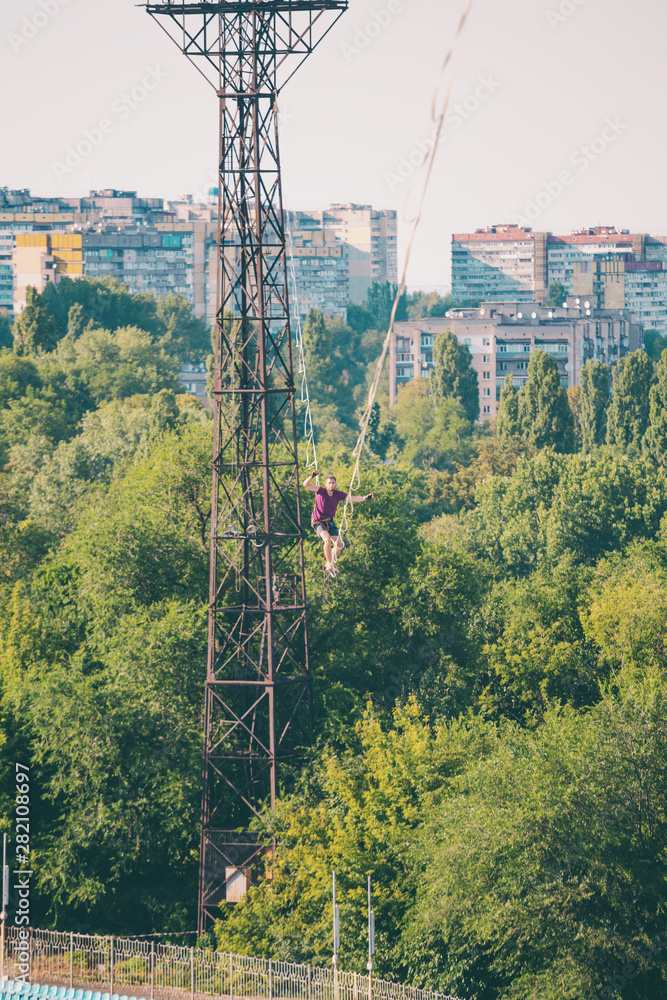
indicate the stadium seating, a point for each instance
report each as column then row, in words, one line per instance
column 34, row 991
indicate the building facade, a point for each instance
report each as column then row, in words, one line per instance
column 6, row 272
column 510, row 263
column 150, row 246
column 501, row 336
column 339, row 253
column 161, row 247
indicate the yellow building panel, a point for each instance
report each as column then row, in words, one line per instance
column 55, row 217
column 32, row 240
column 70, row 268
column 68, row 255
column 66, row 240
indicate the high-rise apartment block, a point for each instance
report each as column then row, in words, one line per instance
column 147, row 245
column 510, row 263
column 501, row 336
column 338, row 253
column 161, row 247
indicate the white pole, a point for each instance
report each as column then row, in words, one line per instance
column 371, row 942
column 5, row 901
column 336, row 937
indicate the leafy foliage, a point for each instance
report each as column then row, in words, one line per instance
column 544, row 411
column 628, row 413
column 489, row 665
column 507, row 424
column 556, row 294
column 453, row 375
column 594, row 403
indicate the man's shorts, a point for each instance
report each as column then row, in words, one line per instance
column 329, row 525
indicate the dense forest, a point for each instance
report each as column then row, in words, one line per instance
column 489, row 666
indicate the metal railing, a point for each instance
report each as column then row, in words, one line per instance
column 126, row 965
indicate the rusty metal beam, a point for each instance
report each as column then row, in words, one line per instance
column 258, row 685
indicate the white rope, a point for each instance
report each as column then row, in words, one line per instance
column 308, row 429
column 427, row 167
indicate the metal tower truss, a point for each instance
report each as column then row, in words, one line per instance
column 257, row 695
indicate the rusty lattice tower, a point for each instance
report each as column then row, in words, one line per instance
column 257, row 698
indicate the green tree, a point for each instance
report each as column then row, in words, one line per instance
column 655, row 439
column 431, row 432
column 76, row 321
column 629, row 409
column 540, row 653
column 380, row 301
column 544, row 411
column 625, row 614
column 35, row 329
column 381, row 432
column 594, row 403
column 574, row 399
column 556, row 294
column 186, row 336
column 563, row 827
column 40, row 412
column 508, row 412
column 359, row 814
column 117, row 364
column 100, row 669
column 6, row 336
column 453, row 374
column 360, row 318
column 103, row 303
column 654, row 344
column 555, row 506
column 16, row 374
column 318, row 350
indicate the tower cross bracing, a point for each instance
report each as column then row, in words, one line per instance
column 258, row 688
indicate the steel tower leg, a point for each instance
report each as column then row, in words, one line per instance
column 258, row 687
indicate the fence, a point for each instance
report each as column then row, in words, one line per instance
column 166, row 971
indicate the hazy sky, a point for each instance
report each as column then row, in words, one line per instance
column 545, row 88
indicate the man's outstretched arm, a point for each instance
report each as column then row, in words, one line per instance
column 309, row 485
column 353, row 499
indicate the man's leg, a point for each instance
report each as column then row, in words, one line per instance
column 337, row 549
column 326, row 538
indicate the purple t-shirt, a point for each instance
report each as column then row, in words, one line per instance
column 325, row 505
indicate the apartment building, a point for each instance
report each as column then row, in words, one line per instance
column 502, row 335
column 367, row 241
column 42, row 258
column 510, row 263
column 318, row 264
column 6, row 272
column 171, row 246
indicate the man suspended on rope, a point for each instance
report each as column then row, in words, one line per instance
column 327, row 498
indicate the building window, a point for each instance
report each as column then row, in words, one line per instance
column 486, row 409
column 486, row 392
column 486, row 342
column 486, row 359
column 486, row 375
